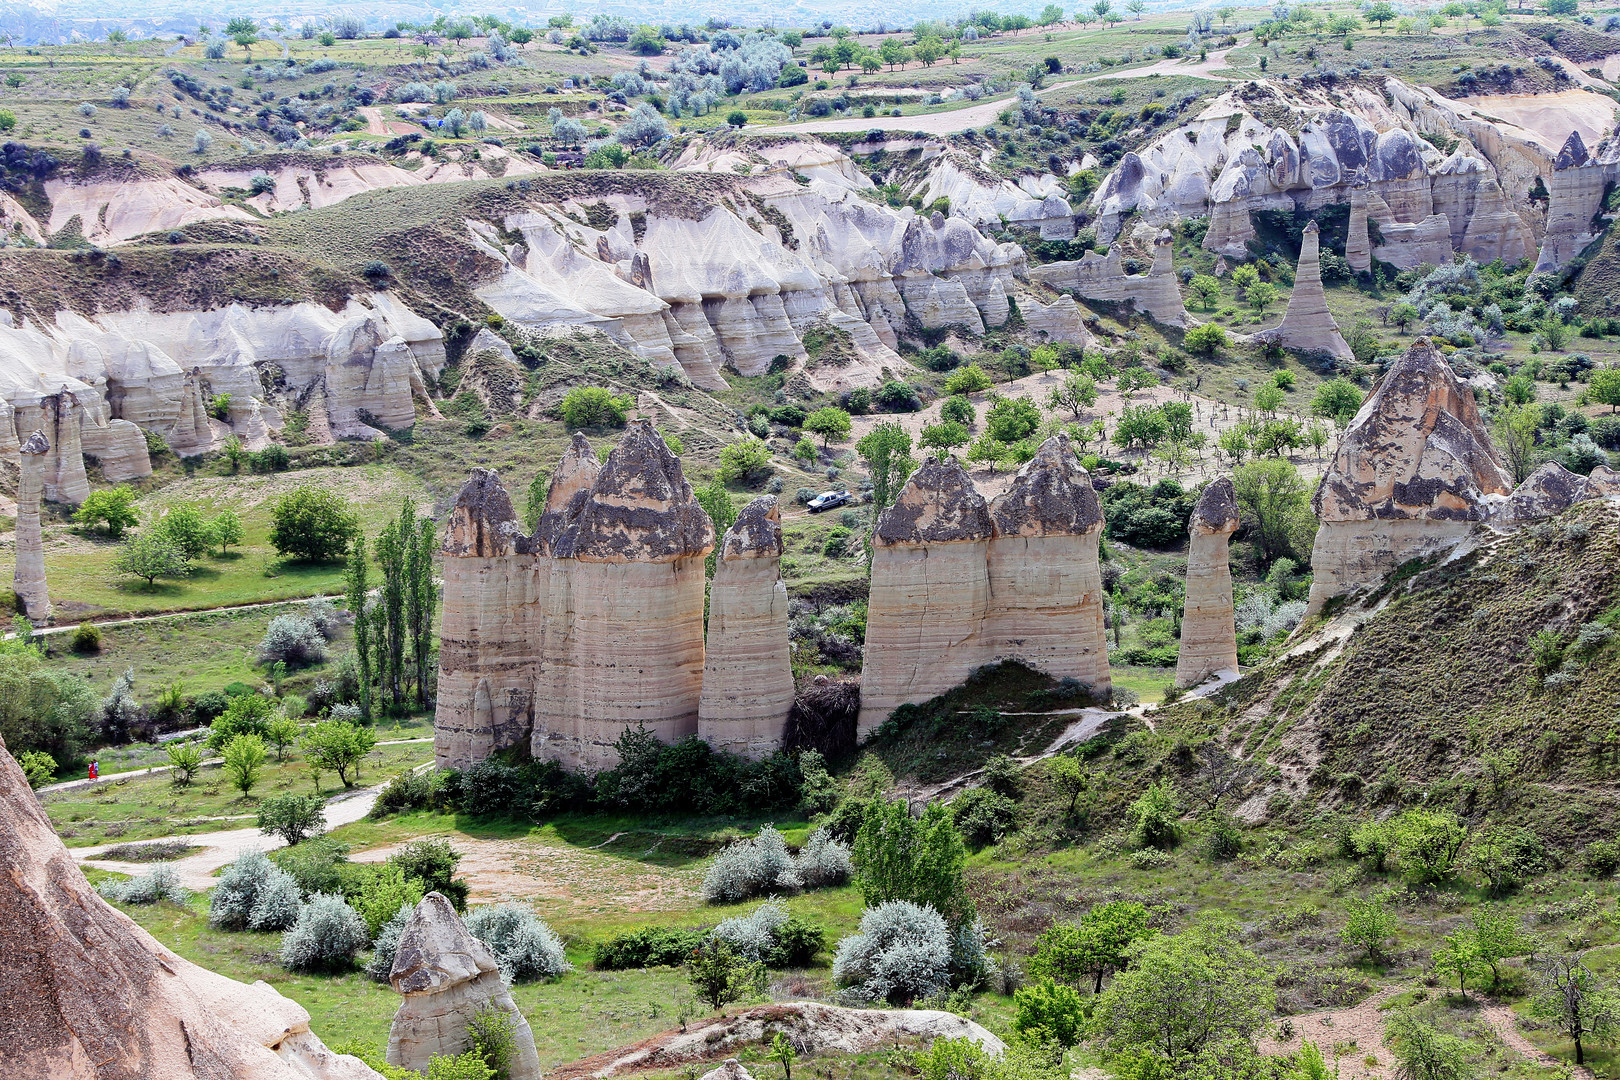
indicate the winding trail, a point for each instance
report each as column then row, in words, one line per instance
column 940, row 123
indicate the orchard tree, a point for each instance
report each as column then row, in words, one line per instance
column 151, row 554
column 830, row 423
column 945, row 435
column 1077, row 393
column 1575, row 1001
column 113, row 507
column 886, row 449
column 1604, row 387
column 1093, row 948
column 313, row 524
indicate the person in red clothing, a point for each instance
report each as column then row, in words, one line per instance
column 94, row 769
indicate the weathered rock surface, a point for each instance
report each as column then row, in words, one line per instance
column 89, row 995
column 1307, row 324
column 1414, row 473
column 1551, row 490
column 1103, row 277
column 624, row 617
column 957, row 583
column 1575, row 194
column 1208, row 629
column 747, row 677
column 446, row 977
column 28, row 579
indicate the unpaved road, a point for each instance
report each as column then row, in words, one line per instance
column 944, row 123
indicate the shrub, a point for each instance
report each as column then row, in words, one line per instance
column 313, row 524
column 753, row 936
column 1427, row 843
column 823, row 862
column 245, row 714
column 751, row 867
column 968, row 379
column 983, row 816
column 244, row 757
column 595, row 407
column 524, row 946
column 291, row 817
column 326, row 937
column 1368, row 925
column 292, row 639
column 112, row 507
column 902, row 952
column 1049, row 1012
column 493, row 1038
column 38, row 767
column 254, row 894
column 386, row 890
column 186, row 528
column 915, row 859
column 408, row 791
column 86, row 639
column 468, row 1066
column 1601, row 858
column 651, row 946
column 1207, row 339
column 433, row 861
column 386, row 944
column 159, row 883
column 1153, row 818
column 745, row 462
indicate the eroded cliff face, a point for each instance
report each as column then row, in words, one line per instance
column 1263, row 146
column 90, row 995
column 95, row 384
column 958, row 583
column 1414, row 473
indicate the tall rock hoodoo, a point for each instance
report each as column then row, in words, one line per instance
column 1413, row 474
column 624, row 619
column 447, row 976
column 1046, row 593
column 747, row 677
column 28, row 580
column 89, row 995
column 487, row 648
column 930, row 591
column 1308, row 325
column 1208, row 630
column 957, row 584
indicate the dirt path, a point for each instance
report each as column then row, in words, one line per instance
column 108, row 778
column 190, row 613
column 1348, row 1038
column 377, row 125
column 943, row 123
column 1199, row 69
column 1505, row 1022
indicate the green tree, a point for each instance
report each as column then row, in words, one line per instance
column 1093, row 948
column 1012, row 419
column 968, row 379
column 38, row 767
column 646, row 41
column 313, row 524
column 1245, row 276
column 43, row 709
column 900, row 857
column 1149, row 1004
column 1206, row 288
column 1369, row 924
column 1268, row 398
column 886, row 449
column 1234, row 443
column 1206, row 340
column 1515, row 429
column 737, row 118
column 1427, row 843
column 1154, row 817
column 716, row 501
column 718, row 975
column 958, row 410
column 1049, row 1012
column 745, row 462
column 356, row 590
column 946, row 436
column 293, row 818
column 1424, row 1053
column 227, row 530
column 390, row 550
column 338, row 746
column 828, row 422
column 1262, row 296
column 1496, row 936
column 1275, row 502
column 421, row 595
column 114, row 507
column 1519, row 390
column 185, row 758
column 244, row 757
column 1077, row 393
column 1402, row 315
column 1604, row 387
column 186, row 527
column 783, row 1053
column 1458, row 955
column 1380, row 13
column 1337, row 400
column 595, row 407
column 151, row 554
column 281, row 732
column 1575, row 1001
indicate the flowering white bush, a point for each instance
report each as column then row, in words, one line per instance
column 524, row 946
column 254, row 894
column 386, row 944
column 753, row 936
column 823, row 862
column 159, row 883
column 750, row 868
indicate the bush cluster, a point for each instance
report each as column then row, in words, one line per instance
column 902, row 952
column 762, row 864
column 326, row 937
column 525, row 947
column 159, row 883
column 650, row 946
column 254, row 894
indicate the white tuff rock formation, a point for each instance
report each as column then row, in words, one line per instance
column 1208, row 630
column 1103, row 277
column 957, row 583
column 1414, row 472
column 1307, row 324
column 28, row 580
column 747, row 677
column 89, row 995
column 446, row 977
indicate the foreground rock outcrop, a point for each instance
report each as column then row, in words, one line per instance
column 447, row 977
column 1208, row 629
column 747, row 676
column 28, row 579
column 89, row 995
column 958, row 583
column 1414, row 473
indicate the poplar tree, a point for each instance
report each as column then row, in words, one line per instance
column 420, row 594
column 357, row 588
column 392, row 549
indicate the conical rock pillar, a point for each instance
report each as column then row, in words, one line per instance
column 1208, row 629
column 1307, row 324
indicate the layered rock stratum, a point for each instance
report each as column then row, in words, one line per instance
column 89, row 995
column 446, row 977
column 28, row 578
column 1208, row 628
column 1413, row 474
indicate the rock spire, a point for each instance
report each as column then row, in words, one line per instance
column 1308, row 325
column 28, row 580
column 1208, row 630
column 747, row 677
column 1414, row 472
column 446, row 977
